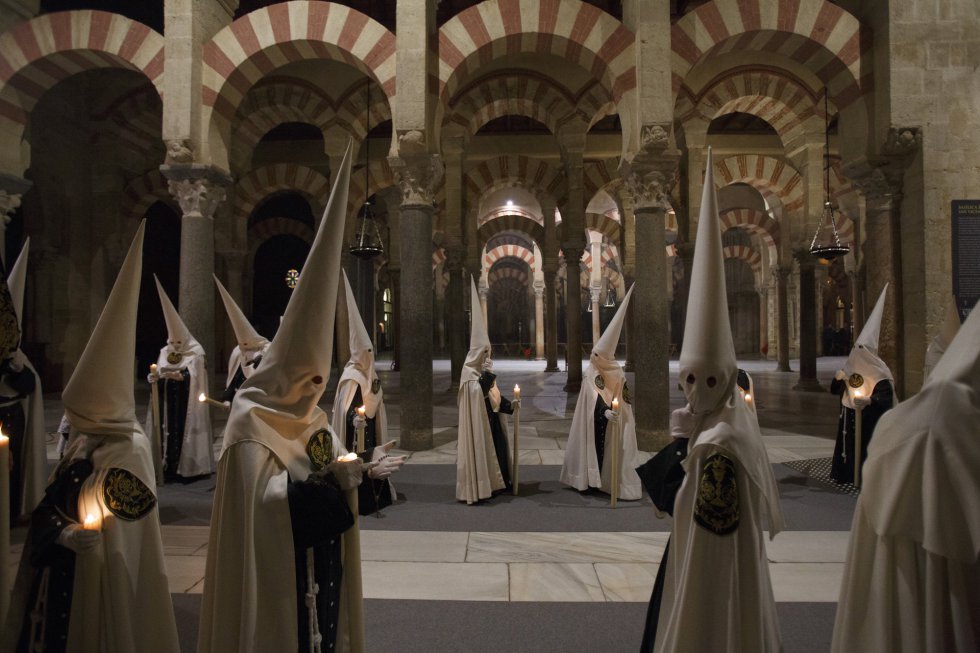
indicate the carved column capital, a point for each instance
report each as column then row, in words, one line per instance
column 780, row 272
column 573, row 252
column 198, row 189
column 649, row 173
column 418, row 176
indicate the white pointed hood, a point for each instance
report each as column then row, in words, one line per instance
column 863, row 369
column 99, row 395
column 277, row 404
column 361, row 347
column 941, row 341
column 360, row 367
column 479, row 339
column 179, row 338
column 707, row 362
column 603, row 362
column 17, row 281
column 606, row 346
column 246, row 336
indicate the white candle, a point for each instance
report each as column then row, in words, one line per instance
column 348, row 458
column 361, row 411
column 5, row 585
column 517, row 391
column 91, row 523
column 615, row 404
column 748, row 397
column 203, row 398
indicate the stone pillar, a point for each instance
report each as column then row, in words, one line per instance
column 458, row 342
column 573, row 315
column 572, row 143
column 648, row 174
column 596, row 307
column 763, row 320
column 12, row 190
column 550, row 269
column 484, row 292
column 595, row 283
column 198, row 190
column 808, row 323
column 627, row 223
column 781, row 274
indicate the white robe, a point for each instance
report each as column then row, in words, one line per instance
column 35, row 461
column 717, row 591
column 350, row 380
column 477, row 470
column 196, row 452
column 581, row 466
column 239, row 357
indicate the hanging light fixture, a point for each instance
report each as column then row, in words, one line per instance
column 366, row 243
column 826, row 242
column 610, row 298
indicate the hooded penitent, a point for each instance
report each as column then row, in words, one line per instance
column 120, row 599
column 478, row 473
column 249, row 343
column 276, row 437
column 912, row 579
column 863, row 369
column 728, row 491
column 31, row 452
column 584, row 466
column 186, row 422
column 939, row 344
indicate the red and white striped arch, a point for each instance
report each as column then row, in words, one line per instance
column 262, row 182
column 601, row 175
column 259, row 42
column 38, row 53
column 263, row 230
column 518, row 275
column 379, row 177
column 748, row 255
column 508, row 251
column 756, row 222
column 578, row 32
column 143, row 192
column 769, row 175
column 532, row 174
column 606, row 225
column 511, row 222
column 815, row 33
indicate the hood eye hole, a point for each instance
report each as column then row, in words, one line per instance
column 317, row 379
column 712, row 381
column 690, row 379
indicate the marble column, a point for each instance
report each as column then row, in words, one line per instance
column 572, row 143
column 648, row 174
column 627, row 224
column 781, row 274
column 550, row 272
column 538, row 322
column 808, row 323
column 484, row 293
column 12, row 190
column 573, row 315
column 596, row 307
column 763, row 320
column 198, row 189
column 417, row 173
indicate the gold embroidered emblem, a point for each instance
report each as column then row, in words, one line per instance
column 716, row 507
column 320, row 449
column 126, row 496
column 9, row 330
column 376, row 386
column 855, row 380
column 174, row 357
column 627, row 394
column 600, row 382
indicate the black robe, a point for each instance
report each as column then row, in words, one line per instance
column 174, row 396
column 14, row 421
column 372, row 494
column 601, row 425
column 42, row 553
column 319, row 515
column 842, row 466
column 662, row 477
column 500, row 443
column 238, row 379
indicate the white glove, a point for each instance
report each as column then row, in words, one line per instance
column 387, row 465
column 78, row 539
column 516, row 403
column 152, row 377
column 861, row 402
column 348, row 474
column 488, row 364
column 612, row 415
column 840, row 375
column 359, row 421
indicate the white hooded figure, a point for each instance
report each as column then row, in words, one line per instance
column 185, row 422
column 587, row 454
column 110, row 582
column 912, row 578
column 716, row 591
column 22, row 408
column 359, row 386
column 941, row 341
column 279, row 500
column 483, row 449
column 249, row 347
column 866, row 384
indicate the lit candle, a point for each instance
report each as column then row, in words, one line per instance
column 517, row 391
column 348, row 458
column 748, row 397
column 203, row 398
column 5, row 585
column 615, row 404
column 91, row 523
column 361, row 411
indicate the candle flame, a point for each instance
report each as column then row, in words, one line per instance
column 3, row 438
column 348, row 458
column 615, row 403
column 748, row 397
column 89, row 519
column 202, row 397
column 361, row 410
column 153, row 367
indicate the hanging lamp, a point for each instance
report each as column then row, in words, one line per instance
column 826, row 242
column 366, row 243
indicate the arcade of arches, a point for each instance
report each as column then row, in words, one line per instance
column 552, row 150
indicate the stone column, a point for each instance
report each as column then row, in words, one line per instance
column 763, row 319
column 595, row 283
column 573, row 315
column 648, row 174
column 417, row 173
column 572, row 143
column 458, row 343
column 484, row 293
column 198, row 190
column 550, row 269
column 596, row 307
column 538, row 322
column 627, row 224
column 808, row 324
column 394, row 276
column 12, row 190
column 781, row 274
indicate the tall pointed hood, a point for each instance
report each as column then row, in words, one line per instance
column 245, row 334
column 179, row 337
column 99, row 395
column 277, row 404
column 863, row 368
column 707, row 362
column 479, row 339
column 17, row 281
column 606, row 346
column 361, row 347
column 868, row 339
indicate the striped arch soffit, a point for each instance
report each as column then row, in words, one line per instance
column 511, row 221
column 257, row 43
column 769, row 93
column 502, row 272
column 38, row 53
column 263, row 230
column 135, row 119
column 578, row 32
column 845, row 195
column 508, row 251
column 143, row 192
column 754, row 222
column 815, row 33
column 748, row 255
column 262, row 182
column 379, row 177
column 276, row 101
column 769, row 175
column 534, row 175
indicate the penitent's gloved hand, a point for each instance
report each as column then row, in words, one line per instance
column 861, row 402
column 387, row 465
column 349, row 473
column 78, row 539
column 359, row 421
column 612, row 415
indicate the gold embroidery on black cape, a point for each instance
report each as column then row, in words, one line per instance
column 174, row 357
column 9, row 329
column 376, row 386
column 600, row 382
column 126, row 496
column 716, row 507
column 855, row 380
column 320, row 449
